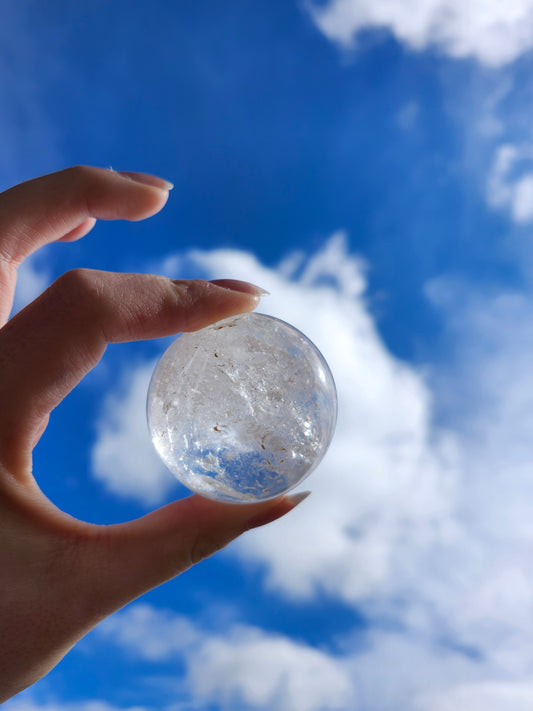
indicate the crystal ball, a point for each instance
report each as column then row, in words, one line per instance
column 243, row 410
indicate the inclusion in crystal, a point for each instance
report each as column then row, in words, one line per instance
column 242, row 410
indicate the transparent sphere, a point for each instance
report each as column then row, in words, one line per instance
column 242, row 410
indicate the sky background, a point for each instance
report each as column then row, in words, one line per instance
column 370, row 164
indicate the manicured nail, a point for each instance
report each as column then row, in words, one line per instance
column 146, row 179
column 243, row 286
column 284, row 506
column 296, row 499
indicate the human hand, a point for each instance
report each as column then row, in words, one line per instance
column 61, row 576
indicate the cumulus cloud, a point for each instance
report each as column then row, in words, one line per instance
column 241, row 665
column 386, row 485
column 123, row 457
column 263, row 671
column 491, row 32
column 384, row 448
column 150, row 633
column 424, row 530
column 490, row 396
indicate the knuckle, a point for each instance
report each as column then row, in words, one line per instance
column 79, row 282
column 208, row 540
column 181, row 291
column 191, row 295
column 89, row 183
column 202, row 548
column 190, row 288
column 78, row 298
column 80, row 288
column 81, row 173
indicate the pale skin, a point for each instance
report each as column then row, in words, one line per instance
column 59, row 576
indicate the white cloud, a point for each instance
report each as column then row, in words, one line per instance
column 492, row 32
column 394, row 670
column 489, row 390
column 384, row 449
column 419, row 528
column 267, row 671
column 32, row 280
column 123, row 457
column 510, row 182
column 487, row 696
column 151, row 634
column 240, row 665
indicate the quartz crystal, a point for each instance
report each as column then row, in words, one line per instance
column 242, row 410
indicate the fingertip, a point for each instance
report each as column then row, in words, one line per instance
column 280, row 508
column 110, row 195
column 147, row 179
column 153, row 202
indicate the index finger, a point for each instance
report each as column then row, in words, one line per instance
column 65, row 206
column 48, row 347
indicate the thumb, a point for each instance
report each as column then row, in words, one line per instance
column 131, row 558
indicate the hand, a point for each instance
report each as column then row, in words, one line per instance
column 61, row 576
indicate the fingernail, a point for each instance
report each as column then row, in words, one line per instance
column 296, row 499
column 243, row 286
column 146, row 179
column 286, row 504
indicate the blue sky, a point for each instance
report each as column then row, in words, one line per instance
column 371, row 165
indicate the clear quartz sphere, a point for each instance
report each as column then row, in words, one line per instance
column 242, row 410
